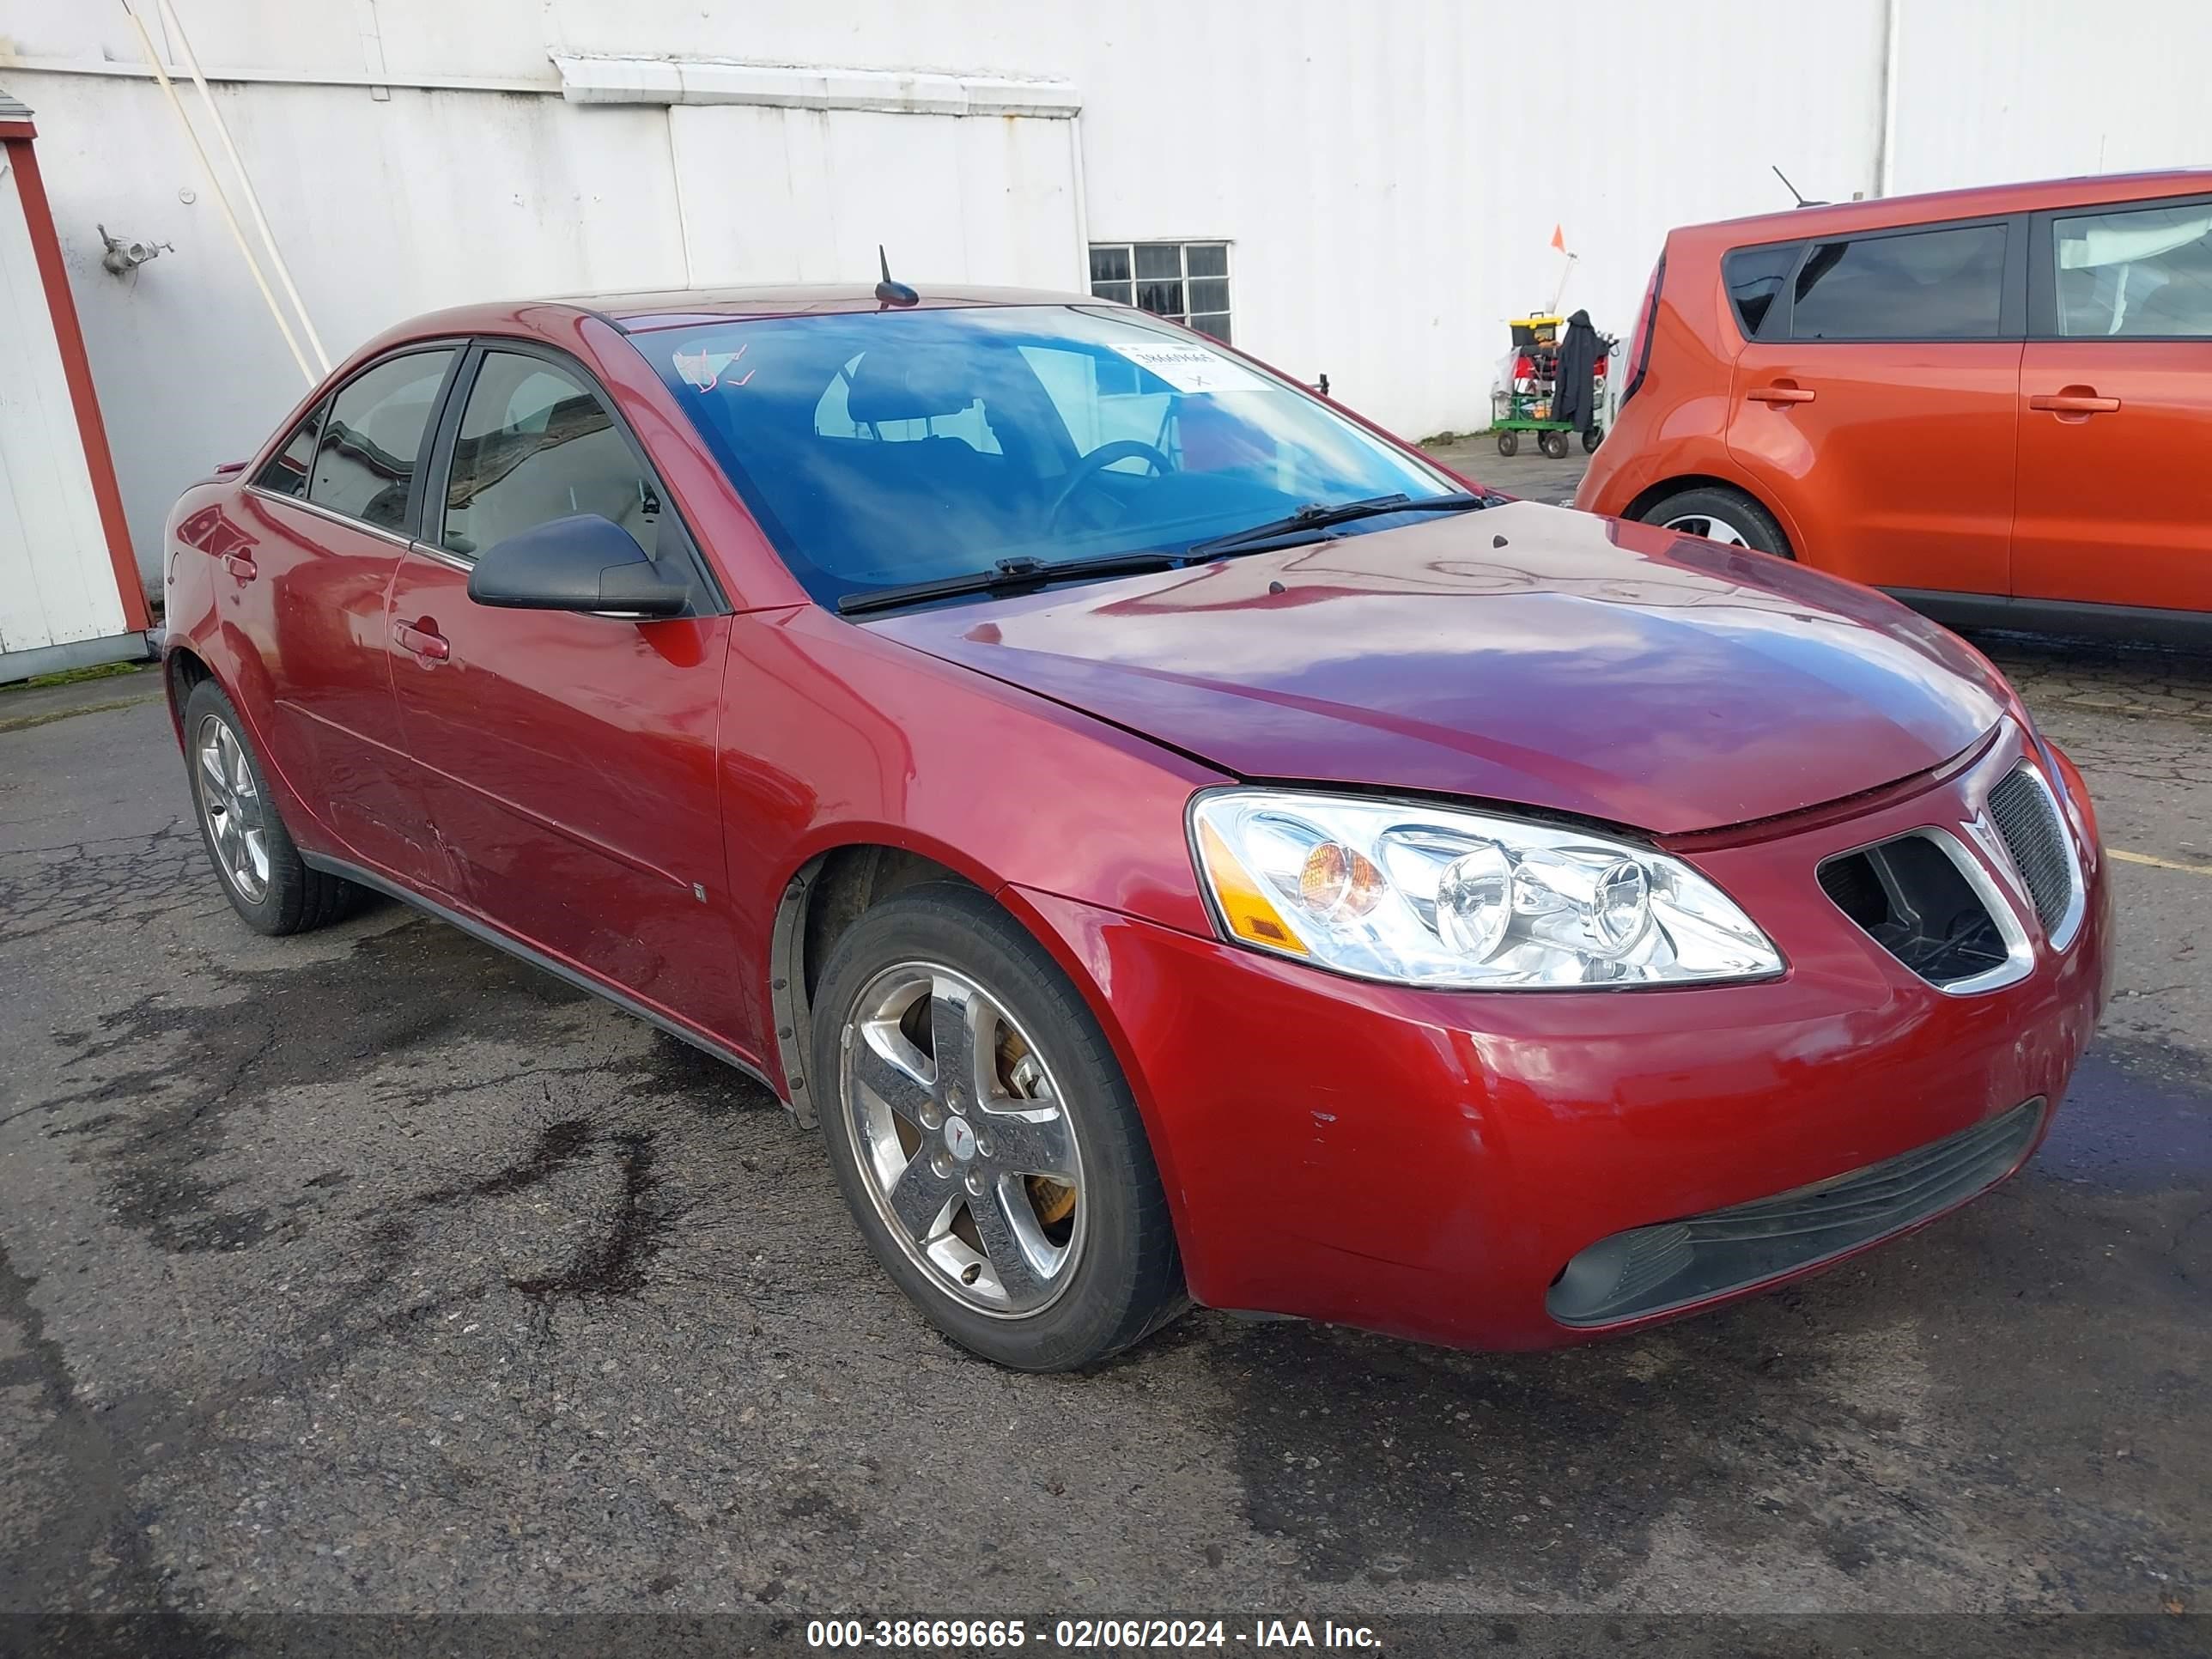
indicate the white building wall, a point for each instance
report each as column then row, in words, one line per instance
column 2049, row 89
column 1388, row 173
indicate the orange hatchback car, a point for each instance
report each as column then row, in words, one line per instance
column 1996, row 404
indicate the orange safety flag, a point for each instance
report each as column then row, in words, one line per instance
column 1559, row 238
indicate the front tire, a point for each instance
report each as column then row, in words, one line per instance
column 263, row 875
column 1720, row 514
column 985, row 1139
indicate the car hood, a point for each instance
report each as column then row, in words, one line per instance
column 1522, row 653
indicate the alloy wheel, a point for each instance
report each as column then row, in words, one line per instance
column 963, row 1139
column 1712, row 529
column 231, row 808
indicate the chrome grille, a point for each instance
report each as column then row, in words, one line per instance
column 2027, row 817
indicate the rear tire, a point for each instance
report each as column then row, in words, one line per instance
column 1509, row 444
column 944, row 1170
column 1720, row 514
column 1592, row 437
column 1553, row 444
column 267, row 882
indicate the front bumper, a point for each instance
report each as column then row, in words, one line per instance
column 1427, row 1163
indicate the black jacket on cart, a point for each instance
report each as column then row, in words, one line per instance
column 1576, row 400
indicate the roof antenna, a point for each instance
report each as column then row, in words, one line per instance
column 889, row 293
column 1802, row 199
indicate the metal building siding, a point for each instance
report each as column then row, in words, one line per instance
column 1387, row 175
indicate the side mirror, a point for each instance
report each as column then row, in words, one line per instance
column 583, row 563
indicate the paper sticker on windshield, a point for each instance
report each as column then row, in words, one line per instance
column 1193, row 368
column 705, row 370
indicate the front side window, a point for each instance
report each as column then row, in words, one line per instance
column 535, row 445
column 1924, row 285
column 287, row 470
column 1182, row 281
column 365, row 457
column 2141, row 272
column 879, row 449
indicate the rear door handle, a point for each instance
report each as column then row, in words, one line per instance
column 2074, row 400
column 240, row 567
column 1782, row 391
column 423, row 638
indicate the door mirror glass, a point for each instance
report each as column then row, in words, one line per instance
column 582, row 562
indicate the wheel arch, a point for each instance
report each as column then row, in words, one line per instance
column 824, row 897
column 839, row 883
column 1652, row 494
column 835, row 885
column 182, row 669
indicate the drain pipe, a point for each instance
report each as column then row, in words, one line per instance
column 1884, row 143
column 176, row 26
column 214, row 184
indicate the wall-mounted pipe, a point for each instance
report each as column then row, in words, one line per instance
column 238, row 235
column 1885, row 137
column 176, row 26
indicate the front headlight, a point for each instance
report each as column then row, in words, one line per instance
column 1431, row 896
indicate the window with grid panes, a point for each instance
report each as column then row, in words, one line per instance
column 1184, row 282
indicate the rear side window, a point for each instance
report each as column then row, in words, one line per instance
column 2144, row 271
column 286, row 474
column 535, row 445
column 364, row 458
column 1754, row 276
column 1923, row 285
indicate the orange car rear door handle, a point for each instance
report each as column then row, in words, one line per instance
column 423, row 642
column 1782, row 392
column 2075, row 400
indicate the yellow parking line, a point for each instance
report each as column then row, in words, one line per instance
column 2126, row 857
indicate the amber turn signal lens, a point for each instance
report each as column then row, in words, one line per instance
column 1336, row 880
column 1250, row 915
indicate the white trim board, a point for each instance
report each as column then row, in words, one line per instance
column 716, row 81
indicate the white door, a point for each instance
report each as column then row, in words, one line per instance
column 772, row 195
column 56, row 583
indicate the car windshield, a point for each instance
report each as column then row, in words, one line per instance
column 882, row 449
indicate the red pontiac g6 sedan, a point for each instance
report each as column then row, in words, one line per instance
column 1175, row 841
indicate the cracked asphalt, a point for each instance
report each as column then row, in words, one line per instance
column 371, row 1271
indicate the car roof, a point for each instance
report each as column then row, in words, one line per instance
column 674, row 305
column 1787, row 224
column 652, row 308
column 641, row 311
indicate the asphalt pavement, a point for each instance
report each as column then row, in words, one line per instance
column 371, row 1272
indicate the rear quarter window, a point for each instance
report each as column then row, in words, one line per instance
column 1754, row 277
column 286, row 473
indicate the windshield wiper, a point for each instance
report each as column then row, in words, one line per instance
column 1309, row 521
column 1005, row 576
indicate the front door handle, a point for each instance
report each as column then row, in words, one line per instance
column 2075, row 400
column 423, row 638
column 240, row 567
column 1782, row 391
